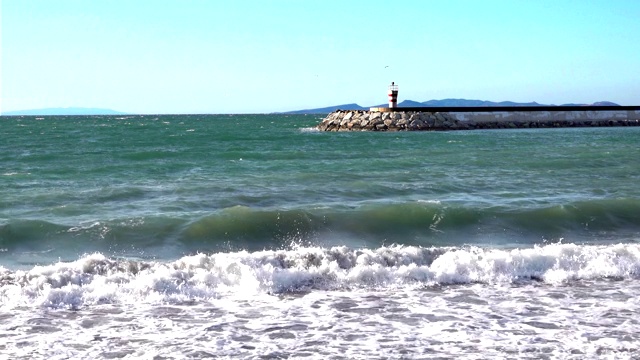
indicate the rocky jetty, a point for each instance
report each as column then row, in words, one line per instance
column 360, row 120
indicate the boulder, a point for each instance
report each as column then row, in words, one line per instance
column 355, row 120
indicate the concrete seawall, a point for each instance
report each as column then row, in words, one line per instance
column 438, row 119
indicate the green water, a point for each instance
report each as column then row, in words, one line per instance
column 164, row 186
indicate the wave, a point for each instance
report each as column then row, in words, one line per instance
column 419, row 223
column 97, row 279
column 309, row 130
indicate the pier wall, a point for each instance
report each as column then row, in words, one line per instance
column 434, row 119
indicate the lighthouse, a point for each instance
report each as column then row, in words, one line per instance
column 393, row 95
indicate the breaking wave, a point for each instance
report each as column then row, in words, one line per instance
column 419, row 223
column 97, row 279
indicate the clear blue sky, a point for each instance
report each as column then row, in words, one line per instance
column 256, row 56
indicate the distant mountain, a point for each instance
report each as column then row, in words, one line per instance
column 604, row 103
column 64, row 111
column 404, row 103
column 476, row 103
column 409, row 103
column 328, row 109
column 439, row 103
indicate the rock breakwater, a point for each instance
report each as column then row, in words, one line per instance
column 360, row 120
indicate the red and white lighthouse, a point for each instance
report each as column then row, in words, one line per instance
column 393, row 95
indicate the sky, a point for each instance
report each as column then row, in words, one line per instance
column 262, row 56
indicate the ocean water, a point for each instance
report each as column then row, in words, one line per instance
column 255, row 236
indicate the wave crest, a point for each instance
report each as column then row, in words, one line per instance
column 96, row 279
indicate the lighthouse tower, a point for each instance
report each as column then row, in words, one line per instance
column 393, row 95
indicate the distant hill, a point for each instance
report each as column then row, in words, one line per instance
column 477, row 103
column 328, row 109
column 63, row 111
column 604, row 103
column 439, row 103
column 408, row 103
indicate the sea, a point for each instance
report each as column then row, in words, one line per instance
column 260, row 237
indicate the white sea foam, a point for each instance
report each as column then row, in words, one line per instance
column 430, row 201
column 96, row 279
column 389, row 302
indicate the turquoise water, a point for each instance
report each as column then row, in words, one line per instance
column 166, row 186
column 120, row 218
